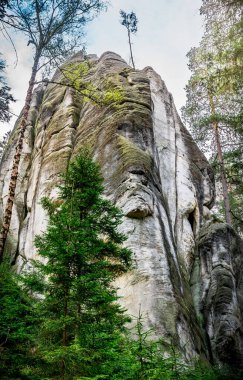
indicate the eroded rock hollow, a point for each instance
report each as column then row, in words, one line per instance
column 187, row 279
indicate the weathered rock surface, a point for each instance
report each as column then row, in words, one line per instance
column 156, row 174
column 217, row 286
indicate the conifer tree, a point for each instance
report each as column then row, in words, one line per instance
column 17, row 327
column 81, row 320
column 130, row 21
column 5, row 95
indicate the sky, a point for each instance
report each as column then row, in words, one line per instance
column 167, row 29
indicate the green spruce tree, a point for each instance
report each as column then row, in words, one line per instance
column 17, row 327
column 81, row 253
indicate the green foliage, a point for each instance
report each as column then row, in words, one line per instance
column 81, row 322
column 17, row 327
column 234, row 173
column 70, row 325
column 54, row 29
column 76, row 76
column 202, row 371
column 5, row 95
column 214, row 95
column 98, row 347
column 145, row 358
column 129, row 20
column 151, row 359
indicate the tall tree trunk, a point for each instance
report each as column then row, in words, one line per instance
column 221, row 164
column 130, row 46
column 18, row 150
column 64, row 335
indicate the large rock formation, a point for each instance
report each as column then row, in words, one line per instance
column 217, row 287
column 188, row 292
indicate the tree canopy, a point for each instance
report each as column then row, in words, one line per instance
column 3, row 6
column 54, row 28
column 82, row 253
column 17, row 326
column 214, row 109
column 5, row 95
column 130, row 21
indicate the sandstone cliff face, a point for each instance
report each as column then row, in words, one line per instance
column 217, row 287
column 155, row 173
